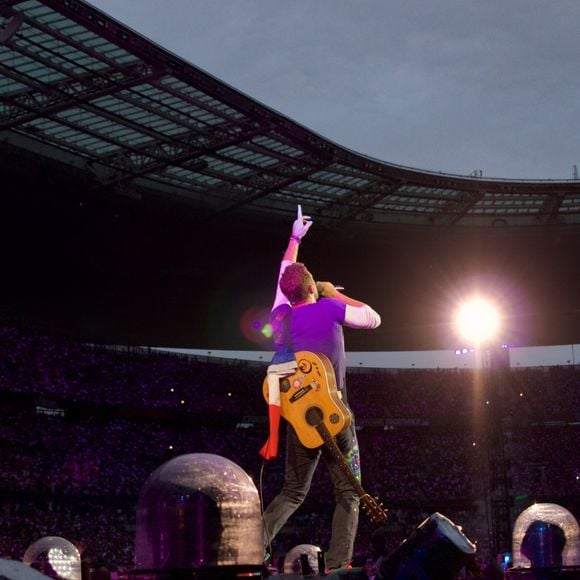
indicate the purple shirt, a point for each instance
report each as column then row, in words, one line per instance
column 313, row 327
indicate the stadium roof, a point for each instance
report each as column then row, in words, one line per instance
column 82, row 88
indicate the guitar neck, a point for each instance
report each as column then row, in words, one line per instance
column 373, row 509
column 334, row 450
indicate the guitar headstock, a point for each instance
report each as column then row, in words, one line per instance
column 374, row 509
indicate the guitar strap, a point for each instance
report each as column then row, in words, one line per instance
column 283, row 364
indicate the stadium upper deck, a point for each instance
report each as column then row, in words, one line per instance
column 84, row 89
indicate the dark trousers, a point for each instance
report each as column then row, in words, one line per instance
column 301, row 463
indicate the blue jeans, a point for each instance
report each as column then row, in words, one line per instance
column 301, row 463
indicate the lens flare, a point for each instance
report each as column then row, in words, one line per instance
column 255, row 326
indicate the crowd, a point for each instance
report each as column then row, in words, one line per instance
column 89, row 425
column 100, row 531
column 70, row 371
column 545, row 462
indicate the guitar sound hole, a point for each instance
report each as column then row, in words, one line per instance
column 314, row 416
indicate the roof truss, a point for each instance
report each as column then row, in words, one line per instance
column 76, row 80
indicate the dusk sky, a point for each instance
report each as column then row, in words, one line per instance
column 452, row 86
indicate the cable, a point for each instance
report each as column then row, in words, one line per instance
column 268, row 546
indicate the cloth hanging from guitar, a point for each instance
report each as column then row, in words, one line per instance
column 283, row 365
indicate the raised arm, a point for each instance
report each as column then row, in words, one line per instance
column 299, row 228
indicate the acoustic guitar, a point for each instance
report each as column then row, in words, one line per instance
column 312, row 404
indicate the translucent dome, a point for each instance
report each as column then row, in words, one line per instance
column 198, row 511
column 293, row 562
column 55, row 557
column 546, row 535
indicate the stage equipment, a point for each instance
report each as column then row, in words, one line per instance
column 55, row 557
column 198, row 516
column 14, row 570
column 546, row 536
column 436, row 549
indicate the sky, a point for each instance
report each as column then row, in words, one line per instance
column 455, row 85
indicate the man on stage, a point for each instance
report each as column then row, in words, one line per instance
column 309, row 316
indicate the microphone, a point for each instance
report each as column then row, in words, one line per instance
column 321, row 289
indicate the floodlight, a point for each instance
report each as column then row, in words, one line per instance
column 477, row 321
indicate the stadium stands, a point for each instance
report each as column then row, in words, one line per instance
column 89, row 424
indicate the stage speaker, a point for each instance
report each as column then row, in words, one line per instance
column 436, row 549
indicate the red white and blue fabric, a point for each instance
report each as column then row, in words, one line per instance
column 283, row 365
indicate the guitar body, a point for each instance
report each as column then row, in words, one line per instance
column 311, row 391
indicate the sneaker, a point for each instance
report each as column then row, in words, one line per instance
column 346, row 565
column 268, row 566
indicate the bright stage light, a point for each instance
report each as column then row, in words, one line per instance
column 477, row 321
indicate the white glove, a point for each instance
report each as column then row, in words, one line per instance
column 301, row 225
